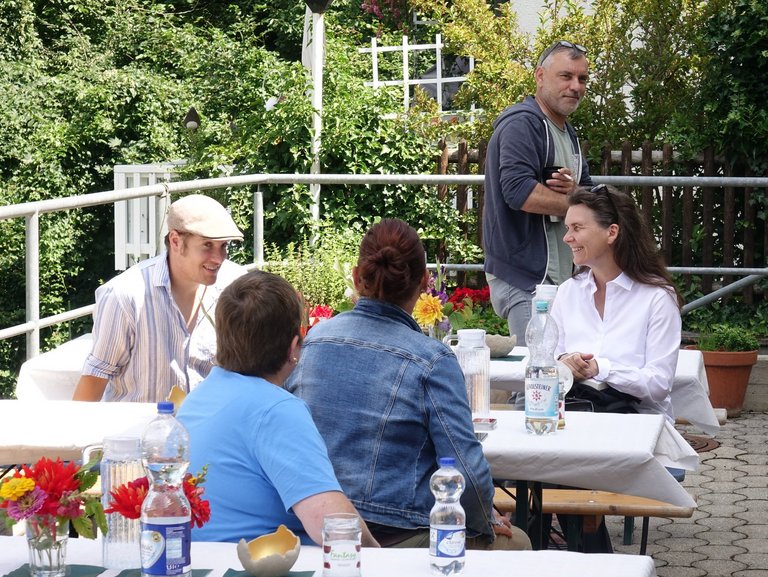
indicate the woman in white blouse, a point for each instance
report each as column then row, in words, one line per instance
column 619, row 315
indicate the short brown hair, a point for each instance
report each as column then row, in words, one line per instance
column 391, row 263
column 257, row 317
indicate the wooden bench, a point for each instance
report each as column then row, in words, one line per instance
column 592, row 506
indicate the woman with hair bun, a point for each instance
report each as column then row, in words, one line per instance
column 388, row 400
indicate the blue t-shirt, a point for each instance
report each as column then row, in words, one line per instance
column 263, row 451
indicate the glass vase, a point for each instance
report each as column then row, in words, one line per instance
column 47, row 542
column 438, row 333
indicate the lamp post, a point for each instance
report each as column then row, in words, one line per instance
column 318, row 7
column 192, row 120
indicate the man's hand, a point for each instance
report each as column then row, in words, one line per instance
column 562, row 181
column 502, row 526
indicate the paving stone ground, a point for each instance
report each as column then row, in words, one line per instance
column 728, row 534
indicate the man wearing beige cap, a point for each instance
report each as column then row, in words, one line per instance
column 153, row 324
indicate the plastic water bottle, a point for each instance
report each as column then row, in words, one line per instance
column 447, row 521
column 474, row 357
column 542, row 383
column 166, row 520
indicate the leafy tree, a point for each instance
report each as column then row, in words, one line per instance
column 729, row 111
column 643, row 59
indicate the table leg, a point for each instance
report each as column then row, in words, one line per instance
column 521, row 510
column 528, row 515
column 538, row 539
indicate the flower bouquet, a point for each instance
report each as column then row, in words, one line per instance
column 49, row 496
column 128, row 498
column 436, row 312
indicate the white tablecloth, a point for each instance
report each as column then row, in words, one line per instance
column 601, row 451
column 34, row 429
column 53, row 375
column 377, row 562
column 690, row 389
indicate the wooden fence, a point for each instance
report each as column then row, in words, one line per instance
column 694, row 226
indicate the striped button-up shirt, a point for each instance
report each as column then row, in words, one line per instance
column 141, row 341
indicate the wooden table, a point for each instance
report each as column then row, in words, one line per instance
column 376, row 562
column 690, row 390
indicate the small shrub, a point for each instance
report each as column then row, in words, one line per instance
column 724, row 337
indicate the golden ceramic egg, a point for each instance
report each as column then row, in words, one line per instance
column 270, row 555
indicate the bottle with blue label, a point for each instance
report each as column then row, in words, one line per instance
column 542, row 383
column 447, row 520
column 166, row 516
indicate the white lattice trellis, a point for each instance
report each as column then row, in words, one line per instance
column 433, row 81
column 140, row 223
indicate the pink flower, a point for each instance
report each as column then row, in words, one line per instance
column 26, row 505
column 69, row 506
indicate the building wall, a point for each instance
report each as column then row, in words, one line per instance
column 757, row 391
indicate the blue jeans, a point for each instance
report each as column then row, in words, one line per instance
column 513, row 304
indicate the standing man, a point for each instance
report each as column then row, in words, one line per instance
column 524, row 203
column 153, row 324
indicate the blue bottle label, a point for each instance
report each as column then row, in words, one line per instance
column 165, row 548
column 448, row 542
column 541, row 397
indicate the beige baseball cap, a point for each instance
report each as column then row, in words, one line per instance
column 203, row 216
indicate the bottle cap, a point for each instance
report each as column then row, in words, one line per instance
column 164, row 407
column 471, row 337
column 542, row 306
column 446, row 461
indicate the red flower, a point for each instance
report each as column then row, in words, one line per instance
column 314, row 315
column 128, row 497
column 56, row 479
column 201, row 510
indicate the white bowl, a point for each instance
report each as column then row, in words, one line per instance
column 500, row 345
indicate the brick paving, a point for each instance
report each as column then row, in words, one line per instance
column 728, row 534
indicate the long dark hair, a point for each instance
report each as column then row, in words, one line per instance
column 634, row 251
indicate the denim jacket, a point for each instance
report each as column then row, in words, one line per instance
column 389, row 401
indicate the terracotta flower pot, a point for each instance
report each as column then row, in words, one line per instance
column 728, row 376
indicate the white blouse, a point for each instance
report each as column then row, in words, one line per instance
column 636, row 343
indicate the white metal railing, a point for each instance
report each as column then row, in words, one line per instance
column 427, row 80
column 32, row 211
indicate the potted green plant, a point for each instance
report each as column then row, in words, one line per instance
column 729, row 355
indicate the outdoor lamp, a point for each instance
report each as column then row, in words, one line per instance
column 192, row 119
column 318, row 6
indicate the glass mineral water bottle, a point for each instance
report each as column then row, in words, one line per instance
column 447, row 521
column 166, row 516
column 542, row 383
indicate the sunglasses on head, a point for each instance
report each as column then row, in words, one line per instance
column 602, row 190
column 560, row 44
